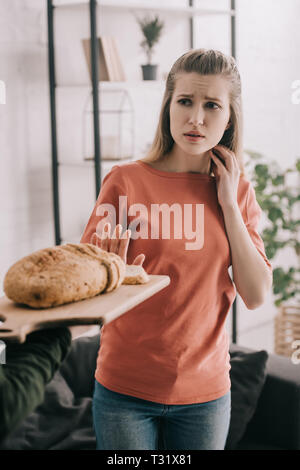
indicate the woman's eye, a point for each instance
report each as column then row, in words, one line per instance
column 180, row 101
column 210, row 104
column 214, row 104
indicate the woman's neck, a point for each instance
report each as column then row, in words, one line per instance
column 176, row 163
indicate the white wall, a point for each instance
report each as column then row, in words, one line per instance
column 267, row 46
column 268, row 41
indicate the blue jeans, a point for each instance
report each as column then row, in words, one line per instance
column 123, row 422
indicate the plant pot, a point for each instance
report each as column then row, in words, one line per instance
column 149, row 72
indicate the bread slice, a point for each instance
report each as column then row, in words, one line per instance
column 135, row 274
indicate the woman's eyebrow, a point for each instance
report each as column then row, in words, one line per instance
column 188, row 95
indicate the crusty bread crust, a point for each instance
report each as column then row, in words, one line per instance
column 62, row 274
column 68, row 273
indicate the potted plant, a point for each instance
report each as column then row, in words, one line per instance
column 280, row 203
column 151, row 29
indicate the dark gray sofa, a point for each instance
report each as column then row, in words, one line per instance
column 64, row 420
column 276, row 421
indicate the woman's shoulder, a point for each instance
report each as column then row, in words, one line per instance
column 123, row 168
column 121, row 172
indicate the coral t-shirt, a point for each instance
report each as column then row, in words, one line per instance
column 173, row 348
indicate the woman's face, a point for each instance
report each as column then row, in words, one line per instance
column 206, row 110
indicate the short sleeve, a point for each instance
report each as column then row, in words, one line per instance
column 111, row 206
column 253, row 215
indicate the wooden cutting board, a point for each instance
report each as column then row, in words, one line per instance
column 19, row 320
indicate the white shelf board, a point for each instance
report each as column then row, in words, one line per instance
column 116, row 85
column 90, row 163
column 137, row 6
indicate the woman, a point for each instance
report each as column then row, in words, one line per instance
column 163, row 367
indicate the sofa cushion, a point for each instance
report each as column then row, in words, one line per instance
column 247, row 375
column 79, row 367
column 276, row 421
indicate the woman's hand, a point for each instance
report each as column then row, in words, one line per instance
column 117, row 243
column 227, row 175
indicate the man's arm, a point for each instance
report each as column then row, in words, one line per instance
column 29, row 367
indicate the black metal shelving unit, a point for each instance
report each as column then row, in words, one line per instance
column 52, row 85
column 95, row 81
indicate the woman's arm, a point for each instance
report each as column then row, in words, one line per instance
column 251, row 275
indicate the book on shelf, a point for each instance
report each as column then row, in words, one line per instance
column 102, row 67
column 110, row 67
column 116, row 60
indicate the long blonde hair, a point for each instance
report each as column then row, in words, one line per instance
column 204, row 62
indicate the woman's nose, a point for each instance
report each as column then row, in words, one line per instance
column 197, row 116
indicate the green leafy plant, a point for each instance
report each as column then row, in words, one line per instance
column 151, row 29
column 280, row 202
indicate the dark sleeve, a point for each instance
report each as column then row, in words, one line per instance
column 29, row 367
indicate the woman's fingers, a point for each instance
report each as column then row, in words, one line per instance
column 139, row 260
column 123, row 247
column 105, row 238
column 115, row 240
column 95, row 240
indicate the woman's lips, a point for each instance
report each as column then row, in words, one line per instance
column 193, row 138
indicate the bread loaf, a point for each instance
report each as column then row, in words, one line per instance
column 68, row 273
column 63, row 274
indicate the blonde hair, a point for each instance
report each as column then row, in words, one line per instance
column 204, row 62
